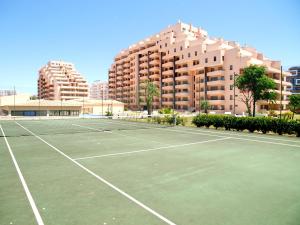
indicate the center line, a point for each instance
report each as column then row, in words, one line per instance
column 151, row 149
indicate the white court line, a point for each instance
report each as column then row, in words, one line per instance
column 244, row 139
column 212, row 132
column 26, row 189
column 246, row 135
column 92, row 128
column 151, row 149
column 207, row 133
column 153, row 212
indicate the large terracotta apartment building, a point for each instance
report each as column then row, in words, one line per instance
column 186, row 64
column 60, row 80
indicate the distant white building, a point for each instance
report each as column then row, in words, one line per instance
column 99, row 90
column 7, row 92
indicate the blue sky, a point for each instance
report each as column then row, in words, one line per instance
column 90, row 33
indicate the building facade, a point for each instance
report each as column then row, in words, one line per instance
column 188, row 67
column 61, row 81
column 294, row 79
column 7, row 92
column 99, row 90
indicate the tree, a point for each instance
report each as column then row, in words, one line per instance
column 294, row 104
column 150, row 92
column 255, row 85
column 205, row 105
column 33, row 97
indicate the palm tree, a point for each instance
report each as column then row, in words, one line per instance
column 205, row 105
column 150, row 92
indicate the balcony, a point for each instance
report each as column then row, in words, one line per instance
column 167, row 103
column 182, row 78
column 182, row 70
column 143, row 64
column 216, row 73
column 168, row 64
column 154, row 62
column 144, row 58
column 157, row 83
column 154, row 76
column 182, row 102
column 144, row 71
column 143, row 78
column 284, row 83
column 216, row 82
column 167, row 72
column 154, row 69
column 126, row 70
column 283, row 92
column 182, row 94
column 167, row 95
column 196, row 67
column 216, row 102
column 182, row 86
column 168, row 79
column 216, row 92
column 167, row 88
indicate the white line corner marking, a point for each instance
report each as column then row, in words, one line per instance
column 142, row 205
column 152, row 149
column 26, row 189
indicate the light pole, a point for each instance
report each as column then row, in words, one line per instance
column 61, row 106
column 280, row 92
column 199, row 94
column 39, row 107
column 83, row 106
column 234, row 75
column 14, row 101
column 102, row 101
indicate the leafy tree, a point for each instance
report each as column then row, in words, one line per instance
column 151, row 91
column 255, row 85
column 166, row 111
column 205, row 105
column 294, row 104
column 33, row 97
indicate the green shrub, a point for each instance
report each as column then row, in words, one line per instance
column 108, row 113
column 262, row 124
column 166, row 111
column 287, row 115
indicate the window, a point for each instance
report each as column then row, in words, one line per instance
column 166, row 44
column 180, row 48
column 174, row 49
column 206, row 60
column 196, row 53
column 231, row 67
column 215, row 58
column 231, row 107
column 182, row 57
column 189, row 55
column 231, row 97
column 297, row 81
column 231, row 77
column 223, row 57
column 231, row 87
column 168, row 52
column 160, row 46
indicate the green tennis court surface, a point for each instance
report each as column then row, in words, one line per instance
column 97, row 171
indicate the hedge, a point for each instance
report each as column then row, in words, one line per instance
column 261, row 124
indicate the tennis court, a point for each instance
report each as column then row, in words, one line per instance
column 106, row 171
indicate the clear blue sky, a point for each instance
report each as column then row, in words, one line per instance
column 90, row 33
